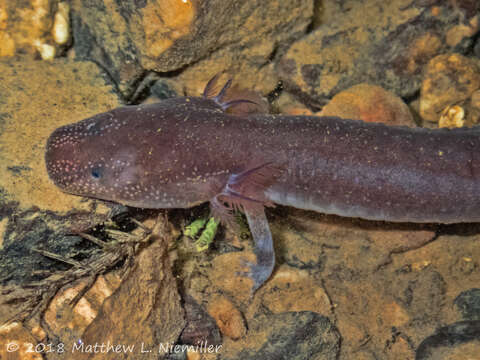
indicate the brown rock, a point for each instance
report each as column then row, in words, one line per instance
column 298, row 111
column 307, row 240
column 193, row 355
column 288, row 335
column 452, row 117
column 449, row 80
column 459, row 32
column 145, row 309
column 38, row 97
column 228, row 318
column 475, row 107
column 369, row 103
column 377, row 42
column 294, row 290
column 395, row 314
column 129, row 37
column 68, row 323
column 476, row 99
column 223, row 274
column 17, row 343
column 466, row 351
column 380, row 283
column 34, row 27
column 200, row 327
column 287, row 104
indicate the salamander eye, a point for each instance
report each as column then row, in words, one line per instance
column 96, row 172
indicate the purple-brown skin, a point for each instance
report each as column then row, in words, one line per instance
column 182, row 152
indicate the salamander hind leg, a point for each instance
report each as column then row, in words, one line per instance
column 264, row 251
column 260, row 271
column 245, row 191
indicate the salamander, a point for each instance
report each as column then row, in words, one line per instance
column 184, row 151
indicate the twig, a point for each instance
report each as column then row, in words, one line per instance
column 58, row 257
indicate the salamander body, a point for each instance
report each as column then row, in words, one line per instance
column 185, row 151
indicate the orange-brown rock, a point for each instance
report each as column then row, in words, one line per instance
column 144, row 311
column 69, row 322
column 449, row 80
column 292, row 289
column 38, row 97
column 38, row 28
column 377, row 42
column 452, row 117
column 369, row 103
column 287, row 335
column 228, row 317
column 17, row 343
column 474, row 108
column 129, row 37
column 223, row 274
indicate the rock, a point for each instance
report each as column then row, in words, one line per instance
column 297, row 245
column 307, row 240
column 286, row 103
column 69, row 323
column 476, row 48
column 452, row 117
column 17, row 343
column 455, row 341
column 474, row 108
column 468, row 304
column 130, row 37
column 145, row 310
column 114, row 311
column 421, row 293
column 223, row 274
column 294, row 290
column 449, row 80
column 37, row 97
column 36, row 28
column 369, row 103
column 200, row 327
column 298, row 110
column 378, row 42
column 291, row 335
column 228, row 318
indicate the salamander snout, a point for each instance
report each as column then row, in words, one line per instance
column 84, row 163
column 63, row 159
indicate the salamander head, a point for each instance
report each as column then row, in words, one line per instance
column 134, row 155
column 82, row 159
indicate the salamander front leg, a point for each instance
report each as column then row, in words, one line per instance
column 261, row 271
